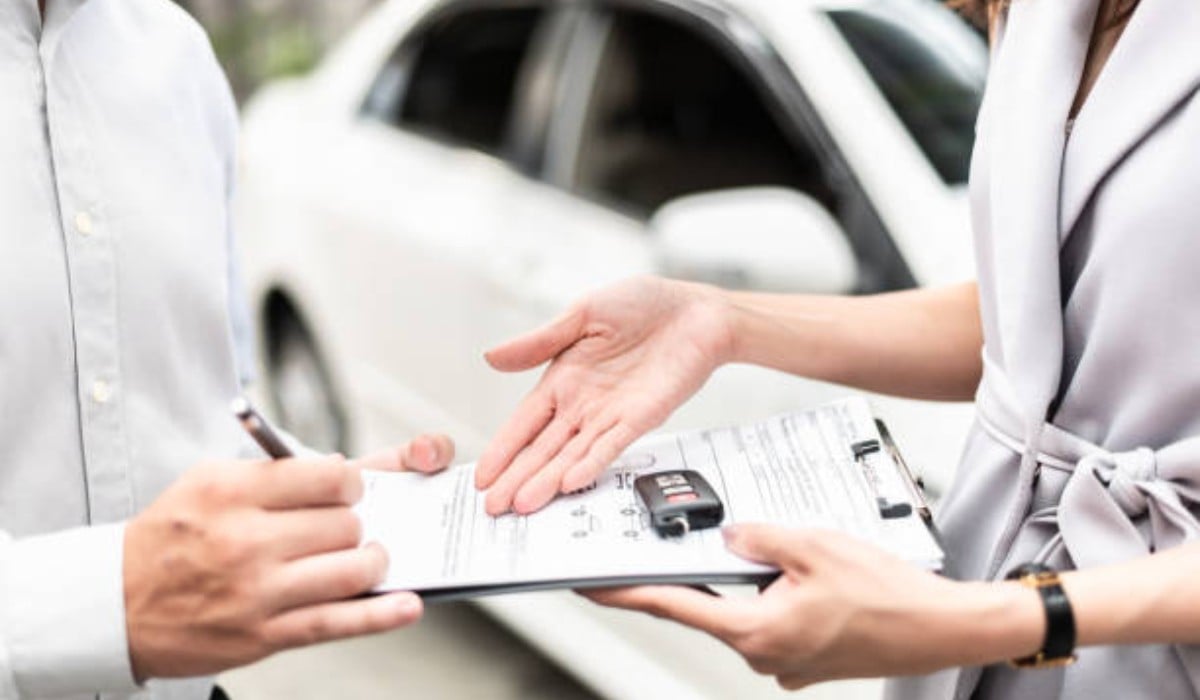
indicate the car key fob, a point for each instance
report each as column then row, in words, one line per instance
column 679, row 502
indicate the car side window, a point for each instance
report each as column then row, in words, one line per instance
column 934, row 93
column 672, row 113
column 456, row 78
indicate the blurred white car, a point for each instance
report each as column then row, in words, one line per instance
column 457, row 172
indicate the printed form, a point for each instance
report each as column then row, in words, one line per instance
column 794, row 470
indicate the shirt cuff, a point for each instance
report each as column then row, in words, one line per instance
column 62, row 612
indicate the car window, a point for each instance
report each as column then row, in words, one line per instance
column 672, row 113
column 932, row 78
column 456, row 79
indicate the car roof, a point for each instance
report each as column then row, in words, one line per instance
column 759, row 8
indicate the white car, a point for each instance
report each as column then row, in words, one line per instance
column 457, row 172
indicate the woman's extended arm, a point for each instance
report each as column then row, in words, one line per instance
column 923, row 343
column 623, row 359
column 843, row 609
column 1144, row 601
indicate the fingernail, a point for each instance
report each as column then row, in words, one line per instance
column 356, row 487
column 526, row 505
column 380, row 552
column 572, row 481
column 730, row 533
column 407, row 605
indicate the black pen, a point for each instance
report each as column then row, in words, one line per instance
column 259, row 429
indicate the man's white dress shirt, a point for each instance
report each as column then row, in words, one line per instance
column 117, row 348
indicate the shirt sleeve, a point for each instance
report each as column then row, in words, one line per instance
column 62, row 614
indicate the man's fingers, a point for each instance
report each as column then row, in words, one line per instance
column 536, row 456
column 603, row 452
column 430, row 453
column 330, row 621
column 301, row 483
column 539, row 346
column 776, row 546
column 327, row 577
column 531, row 417
column 308, row 531
column 426, row 453
column 543, row 486
column 795, row 681
column 720, row 617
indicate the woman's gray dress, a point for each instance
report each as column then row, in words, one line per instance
column 1086, row 448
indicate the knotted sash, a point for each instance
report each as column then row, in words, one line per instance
column 1106, row 491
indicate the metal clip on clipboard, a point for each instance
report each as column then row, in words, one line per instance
column 889, row 510
column 915, row 484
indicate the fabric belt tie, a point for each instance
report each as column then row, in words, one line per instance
column 1106, row 491
column 1123, row 473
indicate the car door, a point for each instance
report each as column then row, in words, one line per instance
column 673, row 106
column 668, row 108
column 425, row 231
column 680, row 101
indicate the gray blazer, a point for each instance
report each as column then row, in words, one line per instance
column 1086, row 449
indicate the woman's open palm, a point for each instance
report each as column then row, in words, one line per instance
column 621, row 360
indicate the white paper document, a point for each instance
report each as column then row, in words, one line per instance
column 794, row 470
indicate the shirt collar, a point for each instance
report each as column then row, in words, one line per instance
column 58, row 17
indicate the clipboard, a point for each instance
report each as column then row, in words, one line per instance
column 792, row 470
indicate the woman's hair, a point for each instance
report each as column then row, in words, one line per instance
column 980, row 12
column 977, row 11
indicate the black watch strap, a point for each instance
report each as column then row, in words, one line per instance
column 1059, row 645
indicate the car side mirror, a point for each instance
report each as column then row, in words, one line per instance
column 767, row 238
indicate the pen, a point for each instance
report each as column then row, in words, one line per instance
column 259, row 429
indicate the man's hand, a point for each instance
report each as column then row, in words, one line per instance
column 428, row 454
column 238, row 560
column 845, row 609
column 621, row 360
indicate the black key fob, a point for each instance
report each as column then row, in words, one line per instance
column 679, row 502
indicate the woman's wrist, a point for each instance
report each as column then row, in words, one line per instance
column 1001, row 620
column 725, row 343
column 749, row 322
column 799, row 334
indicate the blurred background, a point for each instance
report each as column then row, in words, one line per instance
column 422, row 179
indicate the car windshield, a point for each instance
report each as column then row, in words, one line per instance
column 931, row 69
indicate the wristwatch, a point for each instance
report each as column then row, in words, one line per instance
column 1058, row 648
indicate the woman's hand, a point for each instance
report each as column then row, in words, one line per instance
column 621, row 360
column 844, row 609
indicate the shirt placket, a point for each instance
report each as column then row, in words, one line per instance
column 89, row 242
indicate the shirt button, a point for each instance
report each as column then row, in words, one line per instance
column 101, row 391
column 84, row 224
